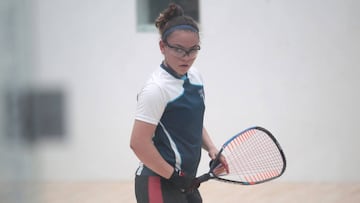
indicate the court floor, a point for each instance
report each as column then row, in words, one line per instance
column 212, row 192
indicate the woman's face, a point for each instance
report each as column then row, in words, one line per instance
column 180, row 50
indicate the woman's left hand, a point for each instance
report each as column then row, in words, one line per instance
column 222, row 167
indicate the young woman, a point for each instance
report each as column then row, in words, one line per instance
column 168, row 132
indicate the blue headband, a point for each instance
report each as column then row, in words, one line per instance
column 178, row 27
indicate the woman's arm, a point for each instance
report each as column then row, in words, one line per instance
column 142, row 145
column 208, row 145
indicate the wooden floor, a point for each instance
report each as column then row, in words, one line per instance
column 212, row 192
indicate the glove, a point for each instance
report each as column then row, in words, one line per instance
column 184, row 182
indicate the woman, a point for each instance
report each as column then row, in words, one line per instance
column 168, row 132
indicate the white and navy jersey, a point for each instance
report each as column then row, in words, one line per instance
column 176, row 106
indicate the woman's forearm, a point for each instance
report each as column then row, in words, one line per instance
column 208, row 144
column 142, row 145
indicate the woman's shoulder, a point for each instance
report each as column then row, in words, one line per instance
column 158, row 80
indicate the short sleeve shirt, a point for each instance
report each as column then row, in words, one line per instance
column 176, row 106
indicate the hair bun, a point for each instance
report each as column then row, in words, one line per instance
column 172, row 11
column 171, row 17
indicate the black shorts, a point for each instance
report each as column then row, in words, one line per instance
column 154, row 189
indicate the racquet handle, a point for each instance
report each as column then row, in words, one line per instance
column 204, row 177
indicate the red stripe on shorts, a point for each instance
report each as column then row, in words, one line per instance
column 154, row 187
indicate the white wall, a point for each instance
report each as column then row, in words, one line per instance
column 289, row 66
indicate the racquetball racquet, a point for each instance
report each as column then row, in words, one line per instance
column 252, row 156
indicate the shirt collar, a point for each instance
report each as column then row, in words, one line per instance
column 172, row 72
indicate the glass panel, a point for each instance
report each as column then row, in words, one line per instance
column 17, row 159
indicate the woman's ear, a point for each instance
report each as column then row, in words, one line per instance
column 162, row 46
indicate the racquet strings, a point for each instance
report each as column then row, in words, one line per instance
column 252, row 157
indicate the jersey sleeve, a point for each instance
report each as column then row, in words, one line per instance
column 150, row 104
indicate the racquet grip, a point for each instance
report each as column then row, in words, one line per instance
column 204, row 177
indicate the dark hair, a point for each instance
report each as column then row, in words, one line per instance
column 173, row 16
